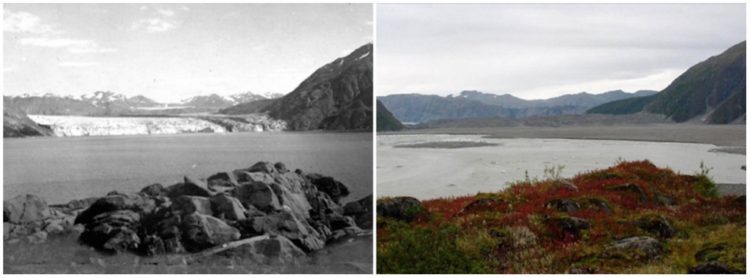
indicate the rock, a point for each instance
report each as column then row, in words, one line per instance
column 337, row 221
column 656, row 225
column 597, row 204
column 564, row 184
column 203, row 231
column 227, row 207
column 154, row 190
column 7, row 228
column 566, row 226
column 245, row 176
column 400, row 208
column 220, row 182
column 267, row 250
column 640, row 248
column 292, row 191
column 634, row 189
column 115, row 201
column 54, row 228
column 189, row 188
column 25, row 208
column 713, row 268
column 361, row 211
column 351, row 231
column 153, row 245
column 581, row 270
column 184, row 205
column 484, row 204
column 286, row 224
column 335, row 189
column 259, row 195
column 664, row 199
column 563, row 205
column 280, row 167
column 77, row 205
column 261, row 166
column 113, row 231
column 38, row 237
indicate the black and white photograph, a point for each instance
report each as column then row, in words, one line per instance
column 188, row 138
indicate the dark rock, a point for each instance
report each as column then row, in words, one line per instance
column 581, row 270
column 154, row 190
column 563, row 205
column 286, row 224
column 244, row 176
column 220, row 182
column 227, row 207
column 153, row 245
column 24, row 209
column 484, row 204
column 597, row 204
column 263, row 167
column 203, row 231
column 656, row 225
column 361, row 211
column 113, row 231
column 337, row 221
column 115, row 201
column 259, row 195
column 280, row 167
column 189, row 188
column 713, row 268
column 634, row 189
column 664, row 199
column 643, row 248
column 185, row 205
column 401, row 208
column 568, row 226
column 328, row 185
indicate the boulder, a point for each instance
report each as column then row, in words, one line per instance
column 154, row 190
column 361, row 211
column 563, row 205
column 227, row 207
column 25, row 208
column 639, row 248
column 656, row 225
column 597, row 204
column 266, row 249
column 187, row 187
column 286, row 224
column 113, row 231
column 201, row 231
column 280, row 167
column 259, row 195
column 335, row 189
column 38, row 237
column 184, row 205
column 632, row 189
column 400, row 208
column 664, row 199
column 75, row 206
column 566, row 226
column 713, row 268
column 115, row 201
column 484, row 204
column 242, row 175
column 220, row 182
column 292, row 191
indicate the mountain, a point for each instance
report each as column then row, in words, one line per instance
column 473, row 104
column 337, row 96
column 100, row 103
column 208, row 101
column 623, row 106
column 386, row 120
column 712, row 90
column 249, row 97
column 17, row 124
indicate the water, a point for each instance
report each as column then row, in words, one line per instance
column 432, row 172
column 63, row 169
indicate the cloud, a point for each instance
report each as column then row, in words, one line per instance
column 75, row 46
column 23, row 22
column 154, row 25
column 184, row 8
column 77, row 64
column 165, row 12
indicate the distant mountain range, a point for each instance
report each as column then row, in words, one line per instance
column 417, row 108
column 712, row 91
column 386, row 121
column 337, row 96
column 104, row 103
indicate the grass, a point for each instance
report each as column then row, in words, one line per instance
column 516, row 230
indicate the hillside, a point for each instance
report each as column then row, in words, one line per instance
column 18, row 124
column 473, row 104
column 713, row 90
column 337, row 96
column 385, row 120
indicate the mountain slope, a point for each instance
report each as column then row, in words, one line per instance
column 713, row 90
column 337, row 96
column 17, row 124
column 386, row 120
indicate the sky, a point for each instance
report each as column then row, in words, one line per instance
column 546, row 50
column 169, row 52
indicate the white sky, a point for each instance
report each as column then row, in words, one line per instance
column 545, row 50
column 169, row 52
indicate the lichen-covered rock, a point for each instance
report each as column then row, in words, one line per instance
column 203, row 231
column 656, row 225
column 636, row 248
column 401, row 208
column 25, row 208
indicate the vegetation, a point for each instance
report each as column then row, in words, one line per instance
column 386, row 120
column 623, row 106
column 573, row 226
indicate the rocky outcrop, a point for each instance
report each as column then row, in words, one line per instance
column 17, row 124
column 401, row 208
column 264, row 211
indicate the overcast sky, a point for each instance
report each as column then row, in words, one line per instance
column 173, row 51
column 545, row 50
